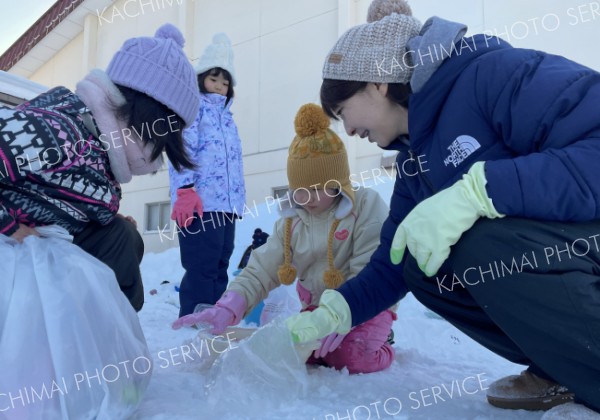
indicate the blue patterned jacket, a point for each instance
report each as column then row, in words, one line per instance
column 214, row 146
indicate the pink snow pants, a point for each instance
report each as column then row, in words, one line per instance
column 365, row 348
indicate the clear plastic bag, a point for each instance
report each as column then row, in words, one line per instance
column 251, row 371
column 71, row 346
column 208, row 347
column 282, row 302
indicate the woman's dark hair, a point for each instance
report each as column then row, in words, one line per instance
column 333, row 92
column 215, row 72
column 156, row 124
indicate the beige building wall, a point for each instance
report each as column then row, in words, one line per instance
column 279, row 48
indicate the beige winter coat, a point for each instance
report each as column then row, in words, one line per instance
column 355, row 239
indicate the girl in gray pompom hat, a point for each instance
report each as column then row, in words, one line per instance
column 494, row 216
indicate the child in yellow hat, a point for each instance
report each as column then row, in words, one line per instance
column 325, row 236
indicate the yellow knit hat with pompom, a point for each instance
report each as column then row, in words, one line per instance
column 317, row 159
column 317, row 156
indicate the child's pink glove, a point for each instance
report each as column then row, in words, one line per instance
column 303, row 293
column 329, row 344
column 188, row 202
column 228, row 311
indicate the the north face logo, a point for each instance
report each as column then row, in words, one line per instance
column 460, row 149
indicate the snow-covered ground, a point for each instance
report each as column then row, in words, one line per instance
column 438, row 372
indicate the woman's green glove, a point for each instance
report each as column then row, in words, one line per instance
column 438, row 222
column 332, row 315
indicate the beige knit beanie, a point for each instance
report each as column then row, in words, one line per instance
column 375, row 52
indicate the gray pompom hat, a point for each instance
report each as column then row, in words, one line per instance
column 382, row 8
column 374, row 52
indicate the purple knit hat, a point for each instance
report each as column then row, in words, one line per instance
column 159, row 68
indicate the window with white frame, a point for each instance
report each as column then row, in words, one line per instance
column 279, row 192
column 158, row 217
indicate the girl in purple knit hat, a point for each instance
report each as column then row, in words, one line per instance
column 64, row 155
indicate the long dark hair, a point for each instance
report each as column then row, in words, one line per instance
column 333, row 92
column 163, row 126
column 215, row 72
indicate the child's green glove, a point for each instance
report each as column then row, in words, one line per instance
column 438, row 222
column 332, row 315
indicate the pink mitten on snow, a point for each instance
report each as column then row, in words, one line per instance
column 329, row 344
column 228, row 311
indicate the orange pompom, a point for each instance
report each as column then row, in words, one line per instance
column 310, row 120
column 333, row 279
column 286, row 274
